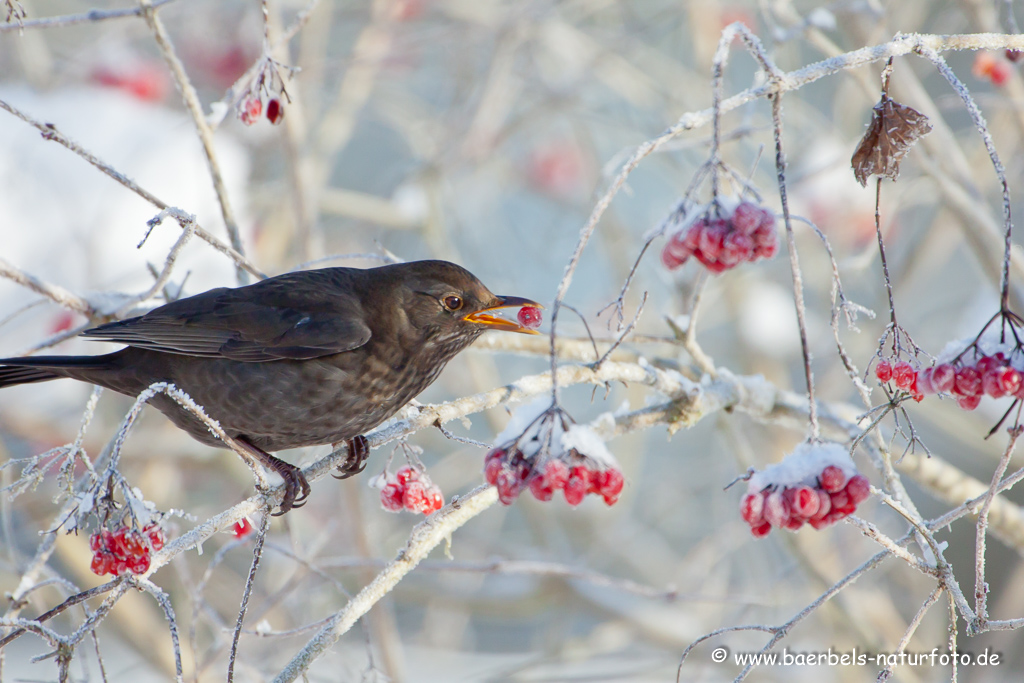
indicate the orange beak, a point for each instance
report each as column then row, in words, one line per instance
column 481, row 317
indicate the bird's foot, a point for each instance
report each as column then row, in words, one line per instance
column 358, row 453
column 296, row 488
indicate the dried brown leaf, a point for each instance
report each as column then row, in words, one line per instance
column 894, row 129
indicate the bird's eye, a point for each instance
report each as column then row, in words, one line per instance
column 452, row 302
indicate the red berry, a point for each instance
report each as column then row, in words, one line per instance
column 992, row 384
column 738, row 247
column 155, row 535
column 508, row 485
column 556, row 473
column 883, row 370
column 752, row 509
column 392, row 497
column 134, row 545
column 240, row 529
column 1014, row 55
column 767, row 249
column 858, row 489
column 677, row 250
column 986, row 363
column 762, row 530
column 541, row 488
column 746, row 218
column 406, row 474
column 805, row 501
column 943, row 378
column 577, row 486
column 557, row 167
column 275, row 111
column 988, row 66
column 414, row 498
column 904, row 375
column 926, row 382
column 968, row 402
column 968, row 382
column 436, row 499
column 118, row 544
column 100, row 563
column 552, row 478
column 775, row 510
column 139, row 564
column 672, row 259
column 529, row 316
column 691, row 240
column 824, row 505
column 612, row 483
column 794, row 523
column 712, row 238
column 832, row 479
column 842, row 504
column 493, row 464
column 95, row 542
column 713, row 265
column 1009, row 379
column 250, row 110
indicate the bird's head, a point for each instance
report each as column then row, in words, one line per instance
column 452, row 302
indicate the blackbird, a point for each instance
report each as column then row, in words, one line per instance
column 301, row 359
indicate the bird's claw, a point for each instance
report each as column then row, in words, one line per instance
column 294, row 483
column 358, row 454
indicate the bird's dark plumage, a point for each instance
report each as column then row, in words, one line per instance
column 301, row 359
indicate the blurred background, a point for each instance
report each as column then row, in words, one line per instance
column 483, row 132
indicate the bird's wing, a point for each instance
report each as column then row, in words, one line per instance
column 296, row 316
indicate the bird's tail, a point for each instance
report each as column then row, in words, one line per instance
column 31, row 369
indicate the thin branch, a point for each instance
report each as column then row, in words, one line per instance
column 89, row 17
column 981, row 529
column 50, row 132
column 195, row 108
column 424, row 538
column 257, row 554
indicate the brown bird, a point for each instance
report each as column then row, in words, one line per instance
column 301, row 359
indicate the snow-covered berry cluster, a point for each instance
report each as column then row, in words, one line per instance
column 124, row 550
column 266, row 92
column 816, row 484
column 968, row 369
column 410, row 489
column 251, row 108
column 722, row 237
column 544, row 451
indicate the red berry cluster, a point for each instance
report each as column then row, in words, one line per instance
column 115, row 552
column 833, row 498
column 989, row 375
column 722, row 243
column 251, row 108
column 412, row 490
column 529, row 316
column 988, row 66
column 512, row 471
